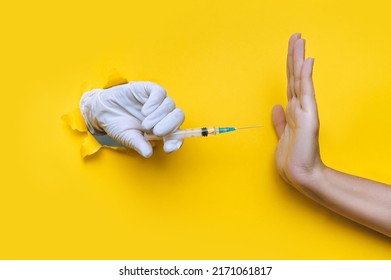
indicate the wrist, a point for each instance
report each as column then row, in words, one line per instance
column 313, row 184
column 88, row 109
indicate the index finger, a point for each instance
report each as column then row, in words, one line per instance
column 149, row 94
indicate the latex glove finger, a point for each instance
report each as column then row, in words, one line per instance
column 132, row 138
column 156, row 116
column 135, row 140
column 170, row 123
column 149, row 94
column 172, row 145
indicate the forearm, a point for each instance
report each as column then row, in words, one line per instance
column 364, row 201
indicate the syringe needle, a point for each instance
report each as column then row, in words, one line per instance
column 248, row 127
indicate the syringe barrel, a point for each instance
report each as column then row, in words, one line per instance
column 185, row 133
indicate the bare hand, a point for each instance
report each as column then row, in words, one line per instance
column 297, row 155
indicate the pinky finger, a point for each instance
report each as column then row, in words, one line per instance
column 307, row 96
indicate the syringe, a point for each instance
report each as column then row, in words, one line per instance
column 196, row 132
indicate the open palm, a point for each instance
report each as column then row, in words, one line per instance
column 297, row 154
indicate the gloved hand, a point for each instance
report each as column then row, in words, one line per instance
column 126, row 111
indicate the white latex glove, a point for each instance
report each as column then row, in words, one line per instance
column 126, row 111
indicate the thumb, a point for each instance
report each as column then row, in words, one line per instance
column 172, row 145
column 132, row 138
column 135, row 140
column 279, row 121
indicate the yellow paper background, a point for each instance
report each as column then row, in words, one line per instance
column 223, row 62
